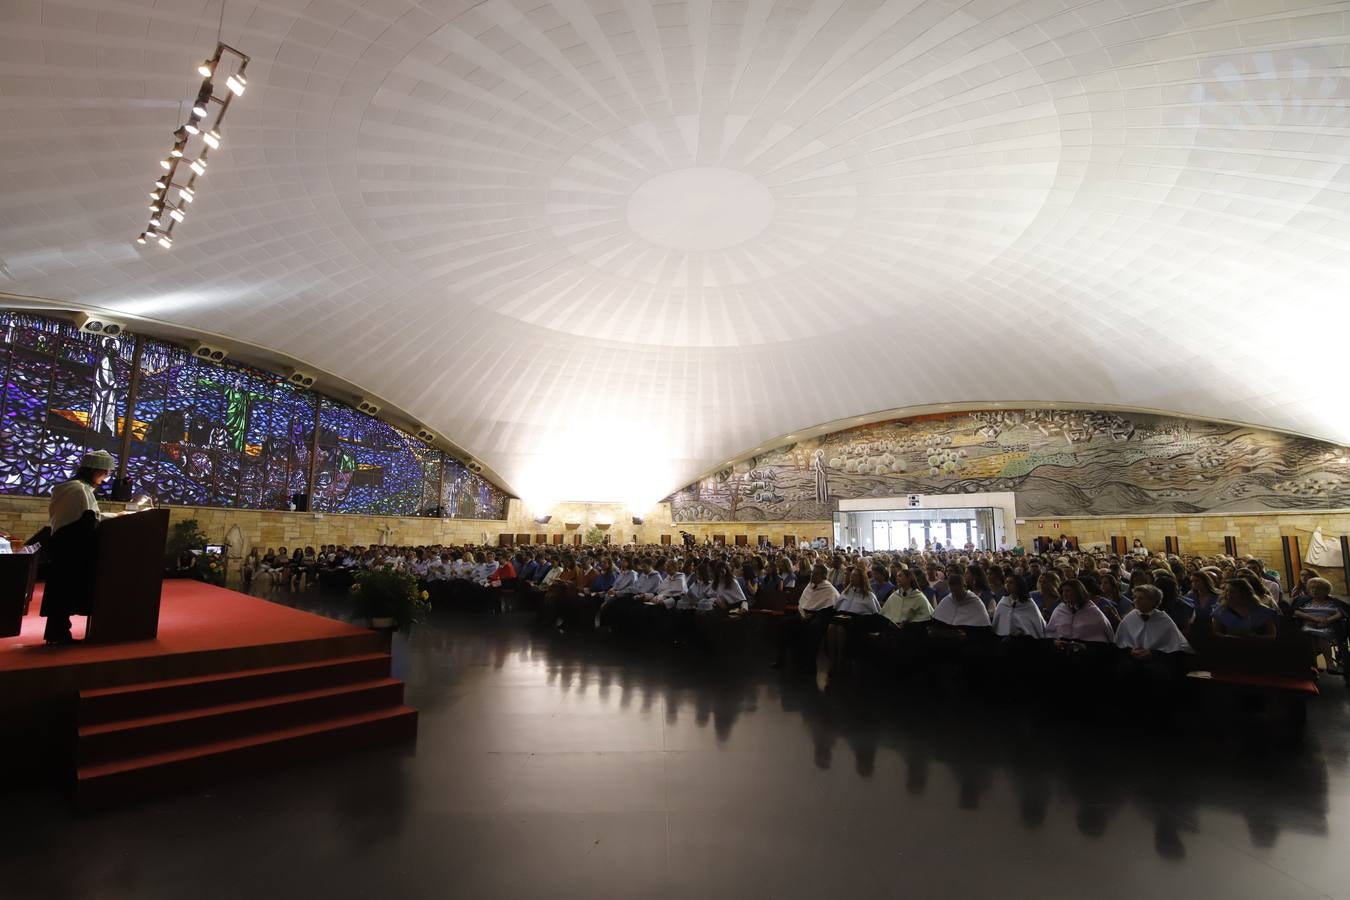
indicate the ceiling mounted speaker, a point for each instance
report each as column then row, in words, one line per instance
column 366, row 406
column 637, row 520
column 91, row 324
column 299, row 378
column 208, row 352
column 474, row 466
column 426, row 434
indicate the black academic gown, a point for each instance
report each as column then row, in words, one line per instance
column 70, row 570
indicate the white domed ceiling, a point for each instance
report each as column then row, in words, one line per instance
column 606, row 245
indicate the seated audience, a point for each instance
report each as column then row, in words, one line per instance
column 961, row 608
column 1077, row 618
column 1017, row 615
column 1322, row 619
column 907, row 604
column 1242, row 616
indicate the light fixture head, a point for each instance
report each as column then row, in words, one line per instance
column 187, row 194
column 192, row 127
column 142, row 238
column 154, row 221
column 166, row 163
column 165, row 241
column 199, row 106
column 236, row 83
column 154, row 195
column 178, row 148
column 198, row 166
column 176, row 215
column 212, row 139
column 161, row 182
column 207, row 68
column 156, row 206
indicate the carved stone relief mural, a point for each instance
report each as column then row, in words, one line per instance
column 1059, row 462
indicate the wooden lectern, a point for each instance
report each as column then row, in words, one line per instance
column 128, row 575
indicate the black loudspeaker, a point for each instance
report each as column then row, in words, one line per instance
column 301, row 502
column 637, row 520
column 121, row 490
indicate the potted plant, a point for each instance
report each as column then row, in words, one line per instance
column 211, row 569
column 391, row 600
column 184, row 537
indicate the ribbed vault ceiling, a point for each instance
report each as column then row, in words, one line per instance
column 604, row 245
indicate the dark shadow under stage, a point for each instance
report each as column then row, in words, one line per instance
column 231, row 683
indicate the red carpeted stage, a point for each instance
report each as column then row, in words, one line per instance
column 232, row 683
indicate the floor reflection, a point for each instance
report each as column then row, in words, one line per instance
column 582, row 766
column 1098, row 770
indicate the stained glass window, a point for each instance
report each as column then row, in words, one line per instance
column 208, row 434
column 367, row 466
column 64, row 393
column 465, row 495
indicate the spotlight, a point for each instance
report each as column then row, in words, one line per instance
column 166, row 163
column 176, row 215
column 165, row 241
column 202, row 103
column 142, row 238
column 192, row 127
column 162, row 183
column 178, row 148
column 207, row 68
column 212, row 139
column 154, row 195
column 187, row 194
column 236, row 83
column 154, row 220
column 198, row 166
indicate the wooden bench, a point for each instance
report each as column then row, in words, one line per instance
column 1278, row 673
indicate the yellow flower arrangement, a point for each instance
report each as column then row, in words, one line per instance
column 426, row 595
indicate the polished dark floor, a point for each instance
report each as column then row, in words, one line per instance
column 572, row 766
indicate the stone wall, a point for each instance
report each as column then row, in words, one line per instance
column 1256, row 533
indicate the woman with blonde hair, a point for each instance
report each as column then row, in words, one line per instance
column 1242, row 615
column 1047, row 596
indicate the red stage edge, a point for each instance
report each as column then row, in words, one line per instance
column 232, row 684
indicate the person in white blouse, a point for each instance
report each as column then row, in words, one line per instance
column 671, row 587
column 960, row 608
column 1077, row 618
column 725, row 594
column 852, row 613
column 1146, row 630
column 1017, row 615
column 804, row 630
column 1148, row 674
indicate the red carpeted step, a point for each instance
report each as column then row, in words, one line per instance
column 158, row 697
column 157, row 773
column 169, row 731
